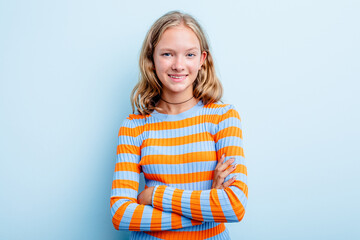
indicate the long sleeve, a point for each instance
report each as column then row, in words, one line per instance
column 127, row 214
column 215, row 205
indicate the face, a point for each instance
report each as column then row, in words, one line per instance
column 178, row 58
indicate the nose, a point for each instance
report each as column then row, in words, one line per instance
column 178, row 64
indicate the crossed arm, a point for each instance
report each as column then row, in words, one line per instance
column 222, row 170
column 172, row 208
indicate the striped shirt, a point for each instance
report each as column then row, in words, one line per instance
column 177, row 155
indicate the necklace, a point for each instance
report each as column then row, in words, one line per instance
column 179, row 102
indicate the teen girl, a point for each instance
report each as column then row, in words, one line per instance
column 187, row 144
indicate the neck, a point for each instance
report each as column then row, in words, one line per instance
column 177, row 103
column 174, row 106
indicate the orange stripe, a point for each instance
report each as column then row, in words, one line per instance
column 195, row 223
column 176, row 221
column 155, row 224
column 158, row 196
column 118, row 214
column 215, row 205
column 231, row 151
column 185, row 235
column 127, row 166
column 134, row 132
column 215, row 119
column 214, row 105
column 136, row 218
column 235, row 203
column 240, row 168
column 242, row 186
column 200, row 137
column 228, row 132
column 176, row 198
column 179, row 124
column 232, row 113
column 136, row 116
column 115, row 199
column 125, row 148
column 181, row 178
column 131, row 132
column 195, row 206
column 125, row 184
column 179, row 159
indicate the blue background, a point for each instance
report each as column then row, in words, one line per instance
column 291, row 68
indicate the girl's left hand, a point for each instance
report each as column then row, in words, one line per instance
column 145, row 196
column 222, row 170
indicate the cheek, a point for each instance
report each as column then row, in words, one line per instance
column 160, row 69
column 194, row 66
column 161, row 65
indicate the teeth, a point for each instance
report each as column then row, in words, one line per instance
column 176, row 76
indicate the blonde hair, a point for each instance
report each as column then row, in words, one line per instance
column 147, row 92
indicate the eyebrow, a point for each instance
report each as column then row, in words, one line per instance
column 169, row 49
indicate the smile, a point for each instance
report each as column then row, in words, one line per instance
column 177, row 77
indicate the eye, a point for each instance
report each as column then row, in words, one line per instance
column 166, row 54
column 191, row 55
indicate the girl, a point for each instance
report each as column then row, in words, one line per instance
column 176, row 139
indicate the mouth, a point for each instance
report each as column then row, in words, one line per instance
column 177, row 77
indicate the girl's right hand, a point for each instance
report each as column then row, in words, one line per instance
column 222, row 170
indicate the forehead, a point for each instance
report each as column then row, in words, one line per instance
column 178, row 37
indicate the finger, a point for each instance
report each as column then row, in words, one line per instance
column 222, row 158
column 226, row 164
column 226, row 173
column 220, row 161
column 229, row 182
column 230, row 169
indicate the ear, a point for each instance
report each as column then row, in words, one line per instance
column 202, row 58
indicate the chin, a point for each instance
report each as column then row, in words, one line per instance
column 179, row 90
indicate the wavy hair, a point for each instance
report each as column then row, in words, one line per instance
column 146, row 94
